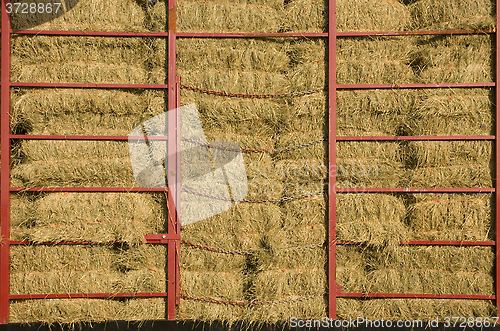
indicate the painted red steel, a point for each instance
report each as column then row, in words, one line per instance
column 69, row 137
column 90, row 85
column 432, row 242
column 5, row 168
column 91, row 33
column 417, row 296
column 415, row 190
column 87, row 295
column 178, row 192
column 497, row 164
column 248, row 35
column 411, row 33
column 172, row 161
column 412, row 138
column 149, row 238
column 332, row 159
column 86, row 189
column 412, row 86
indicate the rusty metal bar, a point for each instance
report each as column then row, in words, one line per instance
column 415, row 190
column 412, row 138
column 86, row 189
column 497, row 165
column 417, row 296
column 86, row 295
column 69, row 137
column 90, row 85
column 5, row 168
column 412, row 86
column 332, row 158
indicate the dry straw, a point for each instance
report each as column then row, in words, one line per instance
column 227, row 16
column 73, row 112
column 425, row 308
column 312, row 15
column 74, row 163
column 95, row 217
column 359, row 61
column 439, row 270
column 455, row 14
column 72, row 312
column 373, row 112
column 79, row 59
column 73, row 269
column 451, row 217
column 452, row 112
column 450, row 164
column 455, row 59
column 89, row 15
column 374, row 219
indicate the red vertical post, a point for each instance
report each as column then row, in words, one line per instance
column 179, row 189
column 172, row 160
column 5, row 169
column 497, row 165
column 332, row 160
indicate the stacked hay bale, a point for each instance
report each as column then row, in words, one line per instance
column 86, row 269
column 86, row 15
column 312, row 15
column 236, row 66
column 95, row 217
column 224, row 16
column 296, row 271
column 455, row 14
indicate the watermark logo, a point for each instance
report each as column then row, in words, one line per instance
column 212, row 174
column 26, row 14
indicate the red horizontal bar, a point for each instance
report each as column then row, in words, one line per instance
column 417, row 296
column 88, row 189
column 60, row 137
column 248, row 35
column 411, row 33
column 415, row 190
column 86, row 295
column 433, row 138
column 431, row 243
column 89, row 85
column 411, row 86
column 150, row 239
column 91, row 33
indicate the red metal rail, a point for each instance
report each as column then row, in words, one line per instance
column 5, row 168
column 249, row 35
column 412, row 138
column 87, row 295
column 412, row 86
column 497, row 164
column 415, row 190
column 90, row 85
column 332, row 159
column 86, row 189
column 417, row 296
column 432, row 242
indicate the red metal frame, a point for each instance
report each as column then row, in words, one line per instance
column 332, row 159
column 5, row 169
column 172, row 238
column 497, row 164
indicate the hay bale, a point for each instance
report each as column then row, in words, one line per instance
column 450, row 163
column 374, row 219
column 451, row 217
column 438, row 270
column 454, row 14
column 452, row 112
column 369, row 164
column 82, row 311
column 75, row 163
column 87, row 269
column 376, row 60
column 426, row 309
column 63, row 59
column 364, row 15
column 456, row 59
column 85, row 112
column 227, row 16
column 373, row 112
column 90, row 15
column 95, row 217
